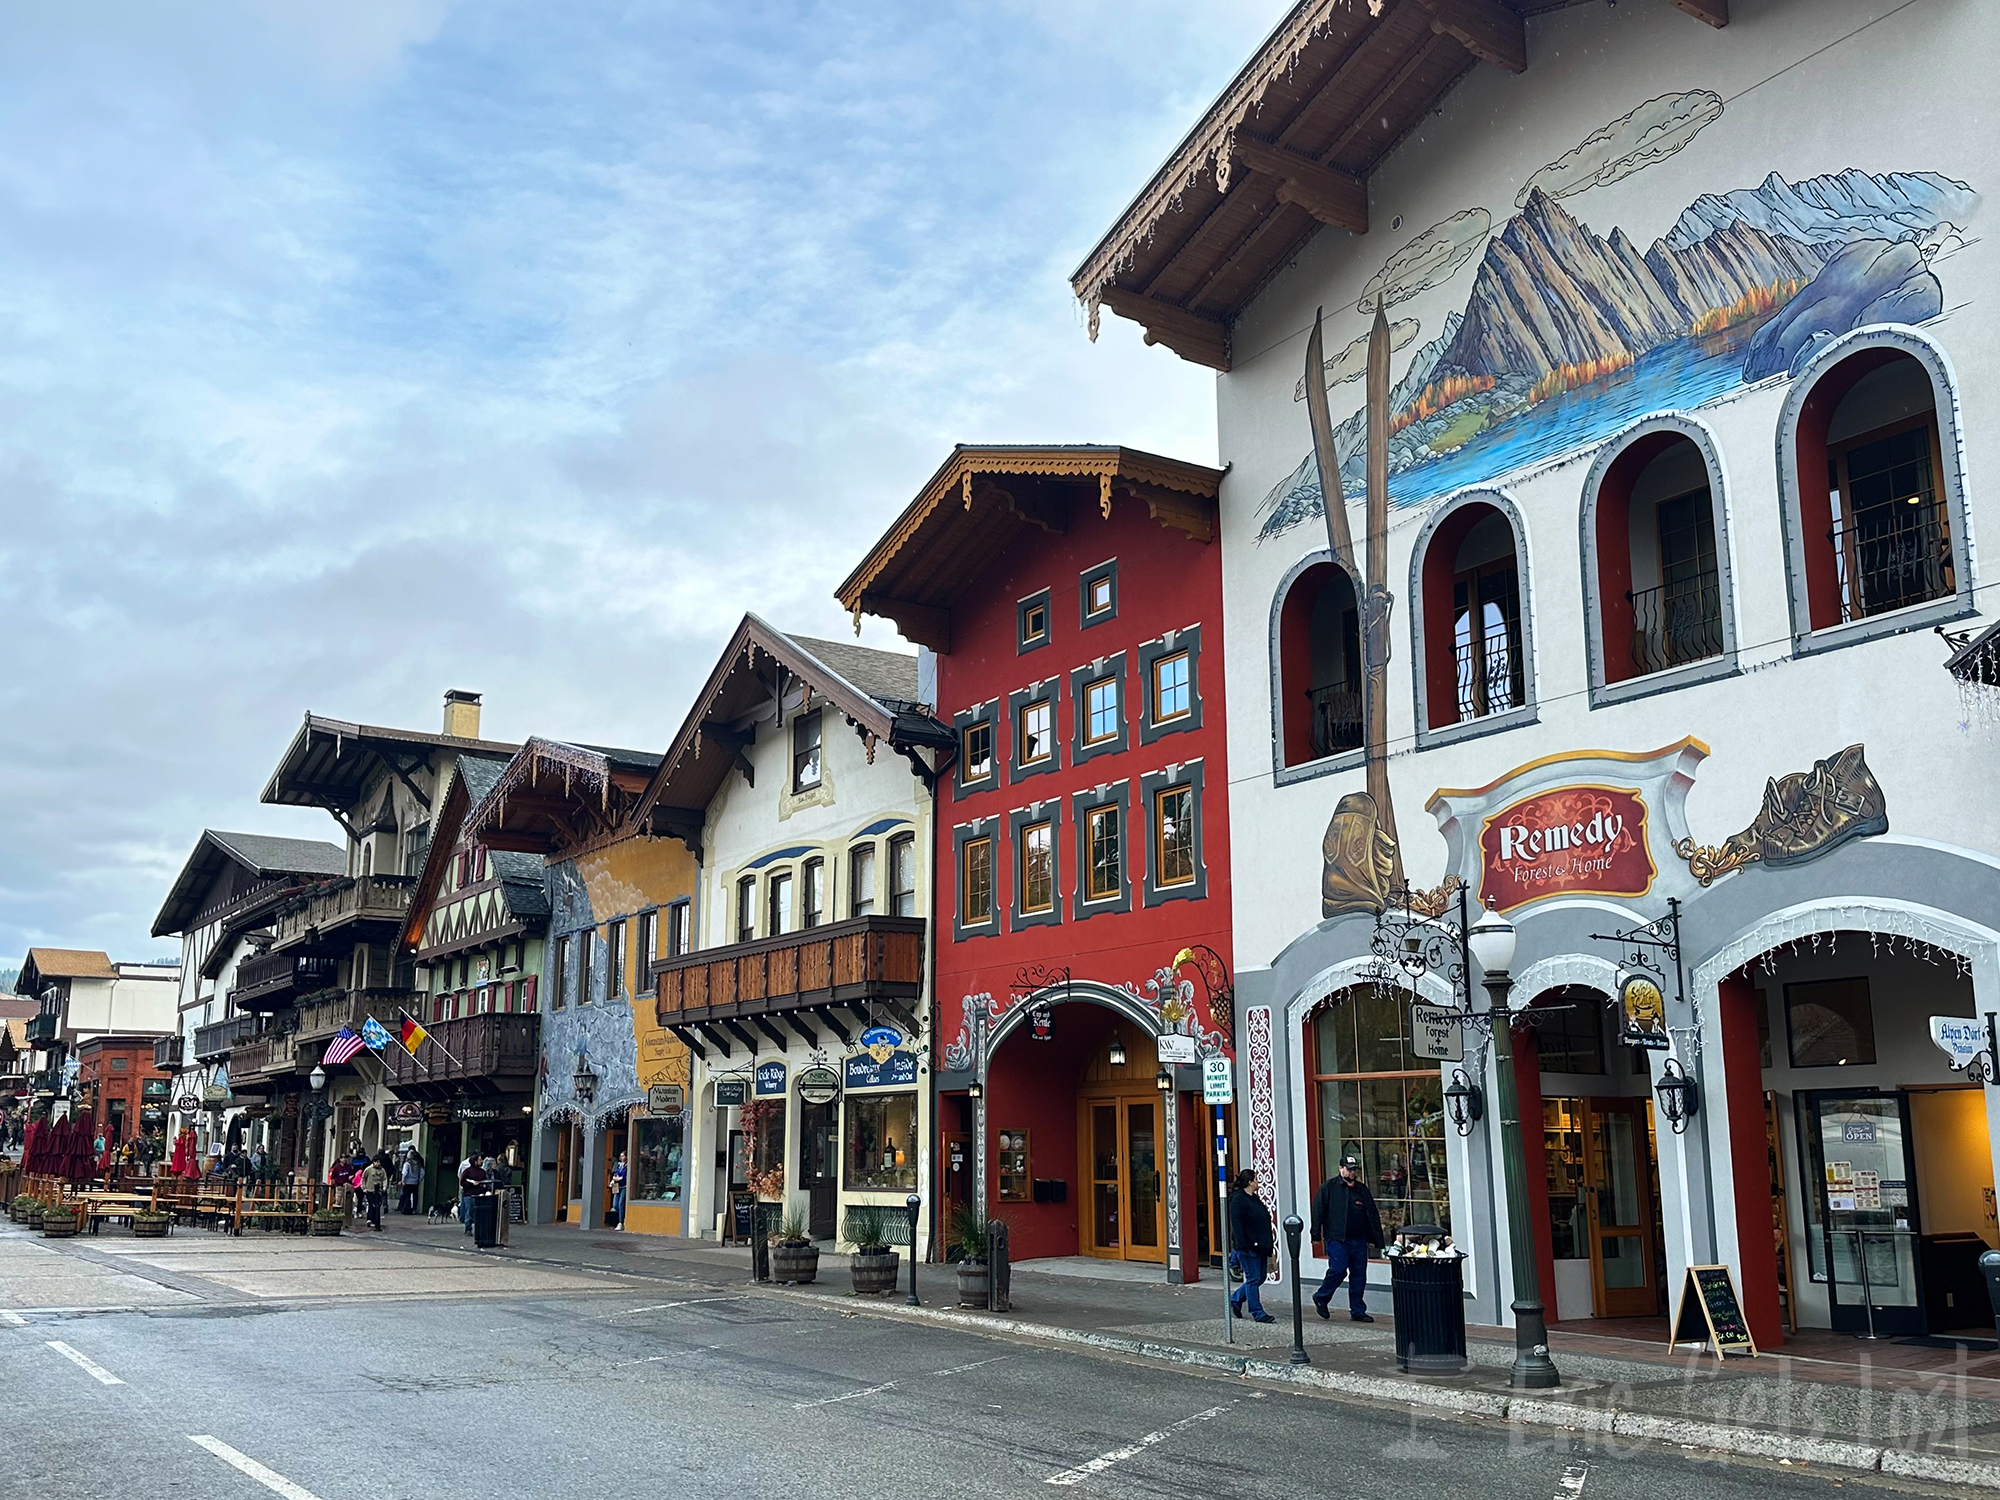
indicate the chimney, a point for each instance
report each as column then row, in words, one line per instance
column 461, row 714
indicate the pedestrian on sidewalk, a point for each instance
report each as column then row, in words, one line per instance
column 474, row 1181
column 471, row 1163
column 1250, row 1238
column 412, row 1178
column 618, row 1193
column 375, row 1184
column 1345, row 1219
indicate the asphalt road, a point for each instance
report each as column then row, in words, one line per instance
column 720, row 1391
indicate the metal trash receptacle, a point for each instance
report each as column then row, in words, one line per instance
column 485, row 1220
column 1427, row 1282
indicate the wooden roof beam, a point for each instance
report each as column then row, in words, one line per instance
column 1714, row 12
column 1371, row 112
column 1336, row 81
column 1485, row 28
column 1189, row 514
column 922, row 624
column 1199, row 340
column 1332, row 197
column 1037, row 510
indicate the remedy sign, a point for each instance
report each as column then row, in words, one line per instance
column 1570, row 838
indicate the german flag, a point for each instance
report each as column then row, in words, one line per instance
column 413, row 1036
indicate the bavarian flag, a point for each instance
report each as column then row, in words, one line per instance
column 413, row 1035
column 374, row 1034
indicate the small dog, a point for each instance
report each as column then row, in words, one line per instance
column 437, row 1215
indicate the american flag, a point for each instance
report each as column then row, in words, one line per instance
column 343, row 1047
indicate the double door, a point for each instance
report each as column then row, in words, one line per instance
column 1122, row 1146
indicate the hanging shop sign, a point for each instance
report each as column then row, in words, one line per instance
column 438, row 1114
column 770, row 1078
column 1042, row 1024
column 879, row 1041
column 1437, row 1033
column 406, row 1114
column 1960, row 1038
column 1642, row 1011
column 892, row 1070
column 187, row 1104
column 665, row 1099
column 731, row 1091
column 215, row 1095
column 818, row 1086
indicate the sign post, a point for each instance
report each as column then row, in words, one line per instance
column 1222, row 1220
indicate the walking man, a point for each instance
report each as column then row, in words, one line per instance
column 412, row 1177
column 466, row 1167
column 1345, row 1220
column 375, row 1184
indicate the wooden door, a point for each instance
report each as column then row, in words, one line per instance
column 562, row 1171
column 1121, row 1144
column 1618, row 1172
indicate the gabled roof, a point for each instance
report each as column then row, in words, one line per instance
column 874, row 690
column 262, row 855
column 329, row 761
column 1288, row 148
column 61, row 963
column 971, row 510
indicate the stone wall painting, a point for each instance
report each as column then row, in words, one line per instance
column 1566, row 336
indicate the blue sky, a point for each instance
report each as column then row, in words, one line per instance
column 352, row 353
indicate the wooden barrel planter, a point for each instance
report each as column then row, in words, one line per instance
column 32, row 1218
column 794, row 1264
column 327, row 1224
column 873, row 1272
column 58, row 1226
column 974, row 1279
column 151, row 1229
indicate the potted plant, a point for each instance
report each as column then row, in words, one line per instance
column 794, row 1257
column 32, row 1214
column 873, row 1264
column 326, row 1221
column 59, row 1222
column 151, row 1224
column 968, row 1248
column 18, row 1209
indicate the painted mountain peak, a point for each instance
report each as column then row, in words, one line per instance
column 1567, row 335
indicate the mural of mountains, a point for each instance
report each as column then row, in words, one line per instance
column 1567, row 335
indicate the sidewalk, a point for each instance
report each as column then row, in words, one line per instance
column 1941, row 1425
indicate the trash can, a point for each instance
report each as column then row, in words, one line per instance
column 485, row 1220
column 1427, row 1281
column 1989, row 1267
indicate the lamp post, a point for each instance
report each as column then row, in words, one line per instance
column 915, row 1205
column 320, row 1112
column 1492, row 942
column 1294, row 1227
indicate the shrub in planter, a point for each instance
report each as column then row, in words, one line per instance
column 32, row 1214
column 873, row 1264
column 328, row 1221
column 150, row 1224
column 58, row 1223
column 794, row 1257
column 968, row 1248
column 18, row 1209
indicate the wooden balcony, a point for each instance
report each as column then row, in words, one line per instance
column 272, row 979
column 43, row 1029
column 260, row 1062
column 833, row 978
column 319, row 1017
column 475, row 1055
column 343, row 912
column 167, row 1052
column 219, row 1038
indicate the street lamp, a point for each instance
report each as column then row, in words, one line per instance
column 1492, row 942
column 320, row 1112
column 1678, row 1095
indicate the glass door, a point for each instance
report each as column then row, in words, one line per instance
column 1142, row 1180
column 819, row 1162
column 1105, row 1188
column 1868, row 1217
column 1619, row 1201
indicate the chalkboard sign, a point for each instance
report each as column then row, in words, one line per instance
column 743, row 1217
column 1709, row 1313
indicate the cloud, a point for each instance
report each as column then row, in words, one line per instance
column 1429, row 260
column 1631, row 143
column 1352, row 362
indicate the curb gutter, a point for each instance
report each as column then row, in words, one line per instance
column 1687, row 1432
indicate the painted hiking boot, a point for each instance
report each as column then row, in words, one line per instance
column 1837, row 800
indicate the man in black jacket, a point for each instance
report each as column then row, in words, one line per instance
column 1346, row 1221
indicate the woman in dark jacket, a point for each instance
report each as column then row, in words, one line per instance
column 1250, row 1238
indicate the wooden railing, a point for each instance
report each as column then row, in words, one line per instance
column 218, row 1038
column 371, row 898
column 868, row 958
column 321, row 1018
column 167, row 1051
column 270, row 976
column 263, row 1056
column 498, row 1050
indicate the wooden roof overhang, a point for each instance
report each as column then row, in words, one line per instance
column 1288, row 148
column 330, row 762
column 982, row 498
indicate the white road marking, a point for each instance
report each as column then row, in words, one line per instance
column 1571, row 1485
column 663, row 1306
column 887, row 1385
column 271, row 1479
column 1118, row 1455
column 97, row 1372
column 12, row 1319
column 961, row 1369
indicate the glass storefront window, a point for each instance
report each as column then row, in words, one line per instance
column 1378, row 1101
column 656, row 1175
column 1569, row 1209
column 881, row 1142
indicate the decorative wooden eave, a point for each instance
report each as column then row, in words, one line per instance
column 1288, row 149
column 981, row 498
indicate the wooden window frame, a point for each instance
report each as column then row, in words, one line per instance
column 860, row 903
column 812, row 893
column 1112, row 812
column 816, row 750
column 1046, row 706
column 1158, row 836
column 1182, row 658
column 904, row 844
column 1092, row 711
column 981, row 846
column 746, row 908
column 1047, row 829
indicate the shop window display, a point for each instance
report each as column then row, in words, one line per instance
column 881, row 1143
column 656, row 1175
column 1377, row 1100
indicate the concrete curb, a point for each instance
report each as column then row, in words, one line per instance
column 1685, row 1432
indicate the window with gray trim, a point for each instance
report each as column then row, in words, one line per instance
column 1161, row 710
column 1031, row 623
column 977, row 866
column 1035, row 894
column 1097, row 594
column 1171, row 805
column 1102, row 820
column 1032, row 746
column 1097, row 708
column 978, row 729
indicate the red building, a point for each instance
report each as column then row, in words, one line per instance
column 126, row 1094
column 1072, row 598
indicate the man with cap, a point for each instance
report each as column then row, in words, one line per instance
column 1345, row 1219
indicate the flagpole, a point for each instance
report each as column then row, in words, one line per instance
column 431, row 1039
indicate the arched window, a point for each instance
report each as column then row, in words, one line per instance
column 1318, row 689
column 1655, row 542
column 1471, row 620
column 1371, row 1096
column 1871, row 478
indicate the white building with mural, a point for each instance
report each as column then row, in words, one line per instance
column 1688, row 333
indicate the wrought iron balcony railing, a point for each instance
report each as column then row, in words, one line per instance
column 1337, row 720
column 1676, row 623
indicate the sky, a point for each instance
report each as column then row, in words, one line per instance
column 353, row 353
